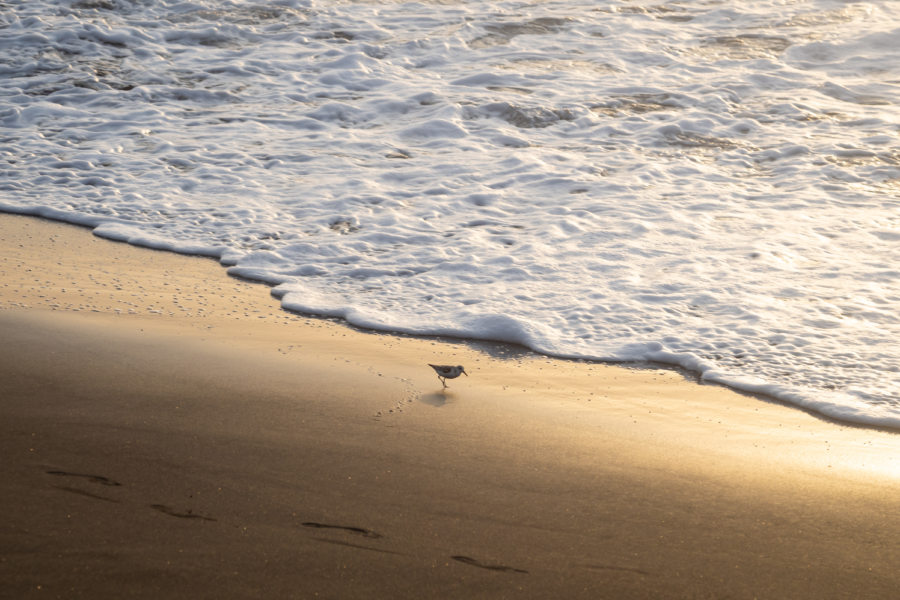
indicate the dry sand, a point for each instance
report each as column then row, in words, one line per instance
column 168, row 432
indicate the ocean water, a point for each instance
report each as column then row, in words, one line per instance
column 710, row 184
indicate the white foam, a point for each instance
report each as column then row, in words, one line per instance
column 710, row 187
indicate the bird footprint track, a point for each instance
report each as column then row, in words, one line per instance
column 482, row 565
column 410, row 396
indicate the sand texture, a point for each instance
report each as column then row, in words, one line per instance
column 168, row 432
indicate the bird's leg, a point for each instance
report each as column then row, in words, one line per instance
column 443, row 381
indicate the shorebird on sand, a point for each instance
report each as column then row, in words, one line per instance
column 445, row 372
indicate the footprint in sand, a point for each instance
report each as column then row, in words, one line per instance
column 616, row 568
column 361, row 531
column 482, row 565
column 357, row 546
column 358, row 530
column 181, row 515
column 92, row 478
column 86, row 494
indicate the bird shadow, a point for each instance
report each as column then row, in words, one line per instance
column 437, row 399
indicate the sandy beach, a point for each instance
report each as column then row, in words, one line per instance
column 168, row 431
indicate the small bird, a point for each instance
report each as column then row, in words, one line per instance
column 445, row 372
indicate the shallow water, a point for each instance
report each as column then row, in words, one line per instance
column 710, row 184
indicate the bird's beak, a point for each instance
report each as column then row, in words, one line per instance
column 464, row 373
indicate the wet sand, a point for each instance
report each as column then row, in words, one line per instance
column 169, row 432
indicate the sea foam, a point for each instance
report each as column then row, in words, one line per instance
column 709, row 186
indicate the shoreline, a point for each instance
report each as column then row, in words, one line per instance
column 172, row 434
column 505, row 349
